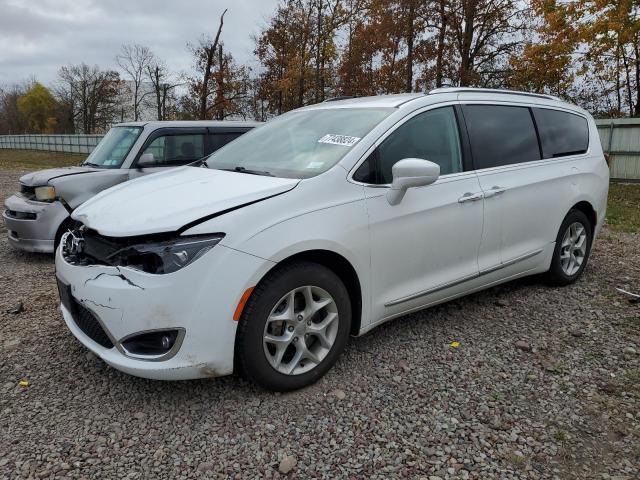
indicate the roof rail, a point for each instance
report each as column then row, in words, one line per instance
column 491, row 90
column 342, row 97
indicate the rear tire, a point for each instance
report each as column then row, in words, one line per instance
column 294, row 327
column 572, row 249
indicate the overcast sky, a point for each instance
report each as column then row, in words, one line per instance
column 39, row 36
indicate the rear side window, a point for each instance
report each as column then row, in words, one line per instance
column 219, row 140
column 561, row 133
column 501, row 135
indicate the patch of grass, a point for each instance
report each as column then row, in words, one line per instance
column 623, row 209
column 631, row 382
column 560, row 436
column 518, row 461
column 633, row 376
column 556, row 368
column 496, row 397
column 37, row 159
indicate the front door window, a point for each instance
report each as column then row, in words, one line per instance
column 174, row 150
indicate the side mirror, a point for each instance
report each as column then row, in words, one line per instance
column 411, row 172
column 146, row 160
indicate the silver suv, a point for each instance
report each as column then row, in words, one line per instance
column 38, row 215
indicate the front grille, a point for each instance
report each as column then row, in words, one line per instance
column 88, row 323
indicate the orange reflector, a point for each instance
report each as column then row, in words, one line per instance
column 241, row 303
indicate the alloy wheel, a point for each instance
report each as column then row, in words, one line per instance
column 300, row 330
column 573, row 248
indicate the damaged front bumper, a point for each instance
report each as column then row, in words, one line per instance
column 32, row 225
column 109, row 305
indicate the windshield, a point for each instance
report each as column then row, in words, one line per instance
column 299, row 144
column 113, row 148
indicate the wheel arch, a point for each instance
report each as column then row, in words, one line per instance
column 339, row 265
column 62, row 228
column 586, row 208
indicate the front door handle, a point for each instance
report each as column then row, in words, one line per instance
column 493, row 191
column 471, row 197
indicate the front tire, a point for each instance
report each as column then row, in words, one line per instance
column 573, row 246
column 294, row 327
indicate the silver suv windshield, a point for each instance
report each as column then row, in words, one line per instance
column 300, row 144
column 113, row 148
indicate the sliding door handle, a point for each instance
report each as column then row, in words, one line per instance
column 471, row 197
column 493, row 191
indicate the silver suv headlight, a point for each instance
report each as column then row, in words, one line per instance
column 45, row 193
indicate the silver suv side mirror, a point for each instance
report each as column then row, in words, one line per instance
column 146, row 160
column 411, row 172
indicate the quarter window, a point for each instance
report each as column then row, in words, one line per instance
column 561, row 133
column 501, row 135
column 172, row 150
column 432, row 135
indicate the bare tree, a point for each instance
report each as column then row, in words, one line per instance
column 485, row 33
column 12, row 121
column 164, row 85
column 92, row 96
column 135, row 60
column 206, row 55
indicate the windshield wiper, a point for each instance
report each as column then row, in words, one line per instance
column 89, row 164
column 201, row 162
column 250, row 172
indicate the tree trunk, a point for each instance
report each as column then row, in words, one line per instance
column 440, row 49
column 158, row 88
column 618, row 85
column 636, row 49
column 410, row 40
column 467, row 40
column 220, row 85
column 625, row 62
column 136, row 93
column 319, row 52
column 204, row 93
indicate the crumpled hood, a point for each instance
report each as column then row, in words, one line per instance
column 167, row 201
column 42, row 177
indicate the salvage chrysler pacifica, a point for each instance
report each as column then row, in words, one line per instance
column 326, row 222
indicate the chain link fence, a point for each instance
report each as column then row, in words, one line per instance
column 51, row 143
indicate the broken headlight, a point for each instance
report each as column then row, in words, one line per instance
column 165, row 256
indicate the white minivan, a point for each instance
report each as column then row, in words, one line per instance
column 326, row 222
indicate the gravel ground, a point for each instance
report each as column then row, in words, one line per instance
column 544, row 384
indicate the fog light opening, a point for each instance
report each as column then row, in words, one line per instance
column 152, row 344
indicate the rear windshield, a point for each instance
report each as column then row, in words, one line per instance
column 113, row 148
column 300, row 144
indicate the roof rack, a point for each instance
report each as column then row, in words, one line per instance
column 491, row 90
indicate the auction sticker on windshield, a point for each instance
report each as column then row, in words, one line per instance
column 344, row 140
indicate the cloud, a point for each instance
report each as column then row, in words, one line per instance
column 37, row 37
